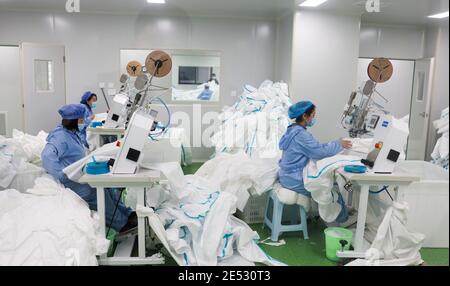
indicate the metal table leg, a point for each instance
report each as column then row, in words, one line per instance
column 360, row 227
column 101, row 210
column 141, row 225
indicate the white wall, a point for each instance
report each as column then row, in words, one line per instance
column 438, row 42
column 10, row 88
column 324, row 66
column 93, row 43
column 283, row 65
column 390, row 41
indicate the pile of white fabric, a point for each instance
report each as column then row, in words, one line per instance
column 17, row 158
column 194, row 220
column 256, row 122
column 194, row 214
column 440, row 152
column 48, row 226
column 240, row 175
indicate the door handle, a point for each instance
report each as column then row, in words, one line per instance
column 424, row 114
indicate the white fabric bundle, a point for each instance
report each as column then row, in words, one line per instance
column 318, row 177
column 16, row 154
column 194, row 221
column 240, row 175
column 48, row 226
column 393, row 241
column 255, row 123
column 441, row 150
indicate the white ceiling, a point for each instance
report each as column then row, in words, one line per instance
column 392, row 11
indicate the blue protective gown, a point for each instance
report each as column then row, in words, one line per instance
column 64, row 148
column 87, row 122
column 299, row 146
column 205, row 95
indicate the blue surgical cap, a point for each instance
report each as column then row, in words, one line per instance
column 72, row 111
column 300, row 108
column 86, row 96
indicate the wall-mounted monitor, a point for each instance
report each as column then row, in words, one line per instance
column 194, row 75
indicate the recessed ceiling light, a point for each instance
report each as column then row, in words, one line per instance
column 439, row 16
column 312, row 3
column 156, row 1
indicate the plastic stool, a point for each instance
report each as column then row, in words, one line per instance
column 275, row 224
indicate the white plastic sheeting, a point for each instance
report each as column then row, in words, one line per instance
column 441, row 150
column 48, row 226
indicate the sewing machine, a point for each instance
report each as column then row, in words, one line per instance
column 369, row 119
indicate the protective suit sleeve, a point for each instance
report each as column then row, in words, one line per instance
column 315, row 150
column 51, row 161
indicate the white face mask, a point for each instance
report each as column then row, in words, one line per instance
column 94, row 105
column 81, row 126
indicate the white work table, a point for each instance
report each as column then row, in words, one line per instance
column 366, row 181
column 142, row 180
column 99, row 131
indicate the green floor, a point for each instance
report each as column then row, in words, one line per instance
column 300, row 252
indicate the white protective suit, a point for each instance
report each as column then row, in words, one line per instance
column 48, row 226
column 441, row 150
column 193, row 217
column 16, row 157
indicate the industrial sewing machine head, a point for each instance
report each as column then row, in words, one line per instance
column 139, row 118
column 135, row 87
column 368, row 118
column 130, row 154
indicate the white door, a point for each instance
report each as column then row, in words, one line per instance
column 420, row 109
column 44, row 88
column 11, row 110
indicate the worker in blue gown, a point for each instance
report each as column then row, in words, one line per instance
column 89, row 102
column 206, row 93
column 299, row 147
column 65, row 147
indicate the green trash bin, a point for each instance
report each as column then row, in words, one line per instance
column 333, row 238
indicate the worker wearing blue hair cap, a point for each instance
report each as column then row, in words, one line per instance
column 299, row 146
column 65, row 147
column 89, row 102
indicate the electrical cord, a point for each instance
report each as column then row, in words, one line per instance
column 384, row 189
column 114, row 213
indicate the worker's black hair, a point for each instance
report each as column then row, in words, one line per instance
column 70, row 124
column 308, row 113
column 92, row 95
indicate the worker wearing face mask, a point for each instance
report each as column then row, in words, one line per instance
column 65, row 147
column 89, row 102
column 299, row 146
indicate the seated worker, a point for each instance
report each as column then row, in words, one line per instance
column 299, row 146
column 206, row 94
column 65, row 147
column 89, row 101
